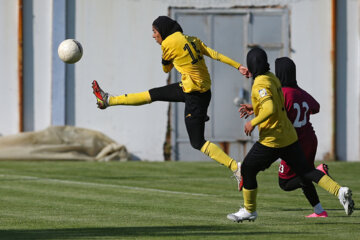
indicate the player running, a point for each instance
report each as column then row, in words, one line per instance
column 277, row 139
column 299, row 105
column 186, row 54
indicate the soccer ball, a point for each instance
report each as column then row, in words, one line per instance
column 70, row 51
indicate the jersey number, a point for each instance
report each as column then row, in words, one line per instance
column 194, row 59
column 297, row 122
column 281, row 168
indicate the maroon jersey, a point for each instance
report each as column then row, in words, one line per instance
column 299, row 106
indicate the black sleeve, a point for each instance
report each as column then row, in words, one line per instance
column 165, row 62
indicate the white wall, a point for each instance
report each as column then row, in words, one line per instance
column 9, row 120
column 42, row 63
column 120, row 53
column 353, row 85
column 311, row 52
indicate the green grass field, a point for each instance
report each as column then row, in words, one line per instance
column 162, row 200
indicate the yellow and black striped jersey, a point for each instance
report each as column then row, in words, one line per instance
column 277, row 131
column 186, row 54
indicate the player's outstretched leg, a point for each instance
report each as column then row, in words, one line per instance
column 343, row 193
column 217, row 154
column 134, row 99
column 101, row 96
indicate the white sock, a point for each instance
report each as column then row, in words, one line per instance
column 318, row 208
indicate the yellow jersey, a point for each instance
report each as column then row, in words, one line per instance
column 277, row 131
column 186, row 54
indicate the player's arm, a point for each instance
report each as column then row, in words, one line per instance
column 218, row 56
column 264, row 97
column 167, row 65
column 167, row 58
column 266, row 110
column 222, row 58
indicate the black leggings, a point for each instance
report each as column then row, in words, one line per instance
column 196, row 105
column 261, row 157
column 307, row 187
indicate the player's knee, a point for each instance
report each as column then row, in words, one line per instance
column 154, row 95
column 283, row 185
column 197, row 144
column 306, row 184
column 247, row 168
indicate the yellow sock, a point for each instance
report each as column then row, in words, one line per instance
column 329, row 185
column 233, row 165
column 130, row 99
column 218, row 155
column 250, row 199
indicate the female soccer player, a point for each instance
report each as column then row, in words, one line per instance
column 277, row 139
column 186, row 54
column 299, row 105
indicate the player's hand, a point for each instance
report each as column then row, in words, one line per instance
column 248, row 128
column 246, row 110
column 244, row 71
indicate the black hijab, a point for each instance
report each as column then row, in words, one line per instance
column 285, row 70
column 257, row 62
column 166, row 26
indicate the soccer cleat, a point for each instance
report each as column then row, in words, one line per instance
column 321, row 215
column 324, row 168
column 242, row 215
column 237, row 174
column 101, row 96
column 345, row 197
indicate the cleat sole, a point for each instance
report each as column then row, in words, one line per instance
column 350, row 208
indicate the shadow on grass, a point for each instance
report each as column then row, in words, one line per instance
column 147, row 231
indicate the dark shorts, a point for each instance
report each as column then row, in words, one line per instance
column 196, row 106
column 309, row 146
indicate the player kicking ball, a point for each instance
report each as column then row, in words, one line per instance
column 186, row 54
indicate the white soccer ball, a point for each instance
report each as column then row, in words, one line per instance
column 70, row 51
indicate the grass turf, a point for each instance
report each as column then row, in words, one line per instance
column 162, row 200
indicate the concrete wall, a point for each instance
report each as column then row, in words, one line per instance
column 37, row 64
column 311, row 51
column 120, row 53
column 8, row 67
column 348, row 86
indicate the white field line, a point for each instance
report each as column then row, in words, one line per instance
column 20, row 177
